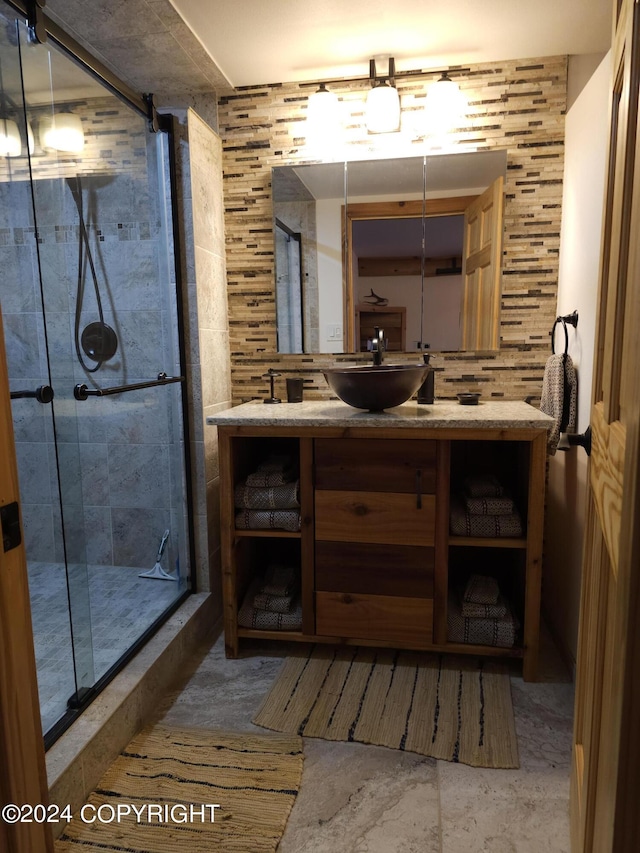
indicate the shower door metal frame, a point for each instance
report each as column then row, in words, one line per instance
column 167, row 124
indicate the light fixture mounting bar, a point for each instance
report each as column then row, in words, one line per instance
column 397, row 75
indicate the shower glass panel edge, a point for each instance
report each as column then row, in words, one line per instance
column 120, row 459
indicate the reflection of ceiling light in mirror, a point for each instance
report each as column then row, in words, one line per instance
column 30, row 140
column 445, row 106
column 10, row 142
column 63, row 132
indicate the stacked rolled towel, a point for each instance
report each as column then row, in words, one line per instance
column 269, row 498
column 484, row 509
column 481, row 615
column 273, row 603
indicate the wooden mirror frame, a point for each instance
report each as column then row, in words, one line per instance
column 453, row 206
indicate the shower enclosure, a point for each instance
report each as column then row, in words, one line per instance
column 92, row 326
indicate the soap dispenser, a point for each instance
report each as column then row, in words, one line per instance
column 426, row 392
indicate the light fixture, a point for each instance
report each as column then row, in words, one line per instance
column 63, row 132
column 10, row 141
column 445, row 106
column 382, row 112
column 323, row 115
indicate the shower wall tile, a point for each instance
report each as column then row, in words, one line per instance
column 206, row 169
column 33, row 467
column 22, row 341
column 216, row 378
column 38, row 527
column 17, row 282
column 194, row 391
column 94, row 465
column 131, row 272
column 31, row 420
column 201, row 535
column 66, row 467
column 138, row 476
column 58, row 350
column 141, row 346
column 212, row 290
column 136, row 534
column 97, row 521
column 145, row 420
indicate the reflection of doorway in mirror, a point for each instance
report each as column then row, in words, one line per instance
column 388, row 265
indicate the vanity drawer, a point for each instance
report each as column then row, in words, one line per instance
column 401, row 570
column 376, row 517
column 389, row 619
column 376, row 465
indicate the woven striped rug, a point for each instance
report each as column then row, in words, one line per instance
column 453, row 708
column 252, row 779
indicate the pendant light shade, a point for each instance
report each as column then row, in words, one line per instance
column 383, row 109
column 323, row 115
column 10, row 142
column 445, row 106
column 63, row 132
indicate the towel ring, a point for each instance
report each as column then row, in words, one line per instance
column 572, row 319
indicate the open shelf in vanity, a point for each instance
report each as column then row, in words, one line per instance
column 377, row 561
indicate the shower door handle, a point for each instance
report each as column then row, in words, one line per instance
column 83, row 392
column 43, row 394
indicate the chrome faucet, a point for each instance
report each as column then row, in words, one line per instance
column 377, row 345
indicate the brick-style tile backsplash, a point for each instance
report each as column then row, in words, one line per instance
column 518, row 105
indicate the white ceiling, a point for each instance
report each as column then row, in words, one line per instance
column 272, row 41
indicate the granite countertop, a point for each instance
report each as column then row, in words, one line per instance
column 445, row 413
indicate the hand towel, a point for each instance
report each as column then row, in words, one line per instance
column 483, row 486
column 470, row 610
column 489, row 506
column 484, row 632
column 481, row 589
column 463, row 523
column 251, row 617
column 280, row 580
column 559, row 397
column 274, row 471
column 268, row 519
column 267, row 497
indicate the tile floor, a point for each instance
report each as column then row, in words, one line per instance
column 111, row 608
column 366, row 799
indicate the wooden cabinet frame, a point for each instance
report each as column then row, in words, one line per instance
column 238, row 443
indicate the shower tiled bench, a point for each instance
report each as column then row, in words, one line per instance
column 378, row 563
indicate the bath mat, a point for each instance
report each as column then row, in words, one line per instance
column 253, row 779
column 449, row 707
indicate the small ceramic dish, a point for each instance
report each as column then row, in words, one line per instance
column 468, row 398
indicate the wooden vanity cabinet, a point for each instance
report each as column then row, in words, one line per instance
column 375, row 553
column 375, row 535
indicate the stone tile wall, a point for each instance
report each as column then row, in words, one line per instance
column 517, row 105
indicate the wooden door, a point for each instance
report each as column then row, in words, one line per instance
column 605, row 781
column 23, row 778
column 481, row 269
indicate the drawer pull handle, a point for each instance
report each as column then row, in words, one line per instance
column 418, row 489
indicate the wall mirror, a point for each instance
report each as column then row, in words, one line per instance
column 412, row 245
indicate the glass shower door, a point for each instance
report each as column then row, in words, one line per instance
column 64, row 658
column 104, row 491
